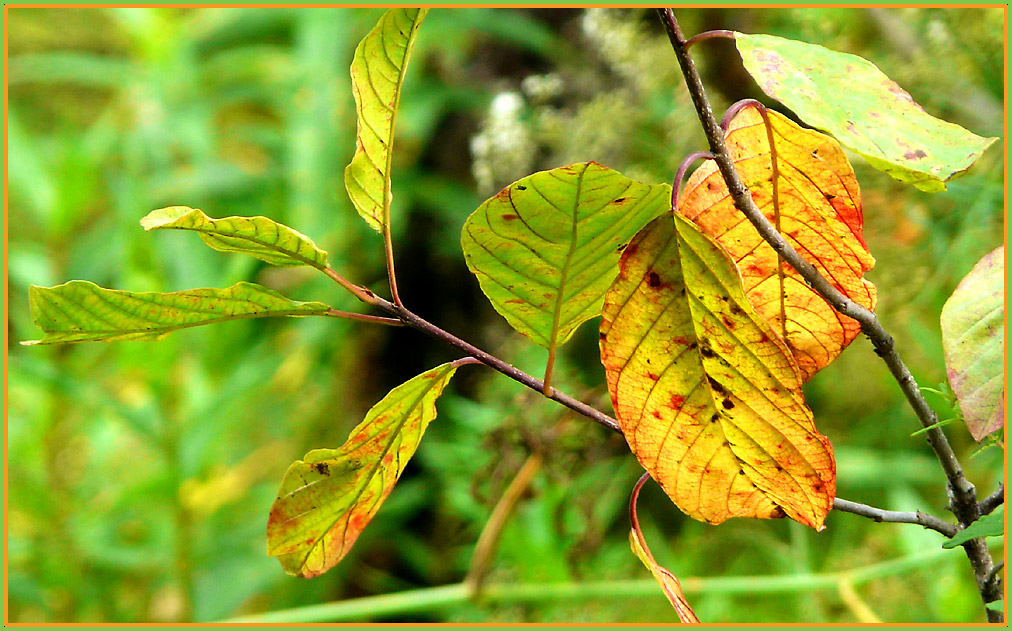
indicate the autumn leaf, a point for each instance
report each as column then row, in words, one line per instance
column 820, row 215
column 261, row 237
column 81, row 311
column 864, row 109
column 377, row 75
column 327, row 498
column 670, row 584
column 708, row 396
column 545, row 249
column 973, row 338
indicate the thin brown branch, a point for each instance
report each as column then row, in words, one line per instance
column 928, row 521
column 720, row 33
column 361, row 317
column 993, row 501
column 963, row 500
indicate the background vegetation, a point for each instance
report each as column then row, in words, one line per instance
column 141, row 474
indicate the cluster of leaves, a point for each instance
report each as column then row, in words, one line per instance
column 706, row 335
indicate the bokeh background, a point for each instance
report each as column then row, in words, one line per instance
column 141, row 474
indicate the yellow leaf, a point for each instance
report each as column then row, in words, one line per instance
column 820, row 215
column 708, row 396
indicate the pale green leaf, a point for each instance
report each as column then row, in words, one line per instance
column 992, row 525
column 81, row 311
column 546, row 248
column 973, row 338
column 261, row 237
column 326, row 499
column 377, row 74
column 866, row 111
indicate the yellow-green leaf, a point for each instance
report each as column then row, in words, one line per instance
column 326, row 499
column 820, row 215
column 864, row 109
column 377, row 74
column 708, row 396
column 81, row 311
column 261, row 237
column 973, row 337
column 545, row 249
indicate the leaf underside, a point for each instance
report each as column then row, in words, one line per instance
column 820, row 215
column 865, row 110
column 708, row 396
column 81, row 311
column 377, row 74
column 261, row 237
column 973, row 338
column 545, row 249
column 326, row 499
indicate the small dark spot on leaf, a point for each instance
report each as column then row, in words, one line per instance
column 727, row 404
column 915, row 155
column 714, row 418
column 521, row 187
column 653, row 279
column 622, row 247
column 830, row 197
column 716, row 385
column 707, row 352
column 602, row 336
column 778, row 512
column 741, row 472
column 321, row 467
column 620, row 200
column 652, row 376
column 509, row 217
column 693, row 346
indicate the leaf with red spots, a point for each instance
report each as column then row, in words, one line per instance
column 707, row 394
column 865, row 110
column 669, row 583
column 545, row 249
column 973, row 336
column 327, row 498
column 377, row 75
column 819, row 214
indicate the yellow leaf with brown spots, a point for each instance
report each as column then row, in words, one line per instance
column 819, row 214
column 326, row 499
column 708, row 396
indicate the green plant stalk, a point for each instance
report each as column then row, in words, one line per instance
column 963, row 499
column 439, row 598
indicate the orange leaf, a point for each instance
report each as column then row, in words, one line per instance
column 820, row 215
column 708, row 396
column 670, row 585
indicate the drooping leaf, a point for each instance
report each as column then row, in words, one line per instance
column 991, row 525
column 377, row 74
column 708, row 396
column 261, row 237
column 326, row 499
column 998, row 605
column 81, row 311
column 545, row 248
column 670, row 584
column 973, row 337
column 820, row 215
column 865, row 110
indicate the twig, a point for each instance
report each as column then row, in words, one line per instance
column 963, row 500
column 993, row 501
column 349, row 315
column 928, row 521
column 721, row 33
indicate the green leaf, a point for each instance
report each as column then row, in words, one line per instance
column 998, row 605
column 708, row 396
column 546, row 248
column 377, row 74
column 326, row 499
column 81, row 311
column 992, row 525
column 973, row 338
column 865, row 110
column 261, row 237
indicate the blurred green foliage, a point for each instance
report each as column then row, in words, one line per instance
column 141, row 474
